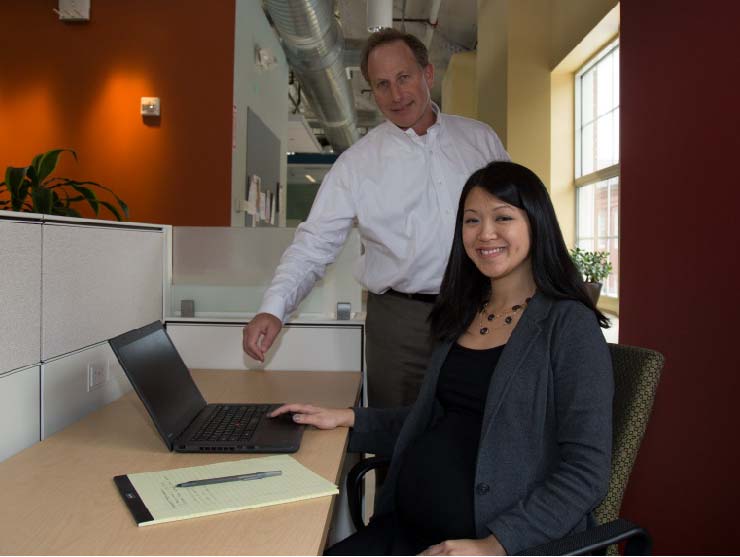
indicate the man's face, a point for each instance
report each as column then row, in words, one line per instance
column 400, row 86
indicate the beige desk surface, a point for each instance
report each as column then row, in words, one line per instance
column 58, row 497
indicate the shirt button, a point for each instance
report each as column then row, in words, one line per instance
column 482, row 488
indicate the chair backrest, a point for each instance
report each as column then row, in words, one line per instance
column 636, row 376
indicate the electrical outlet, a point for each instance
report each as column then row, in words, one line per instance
column 97, row 375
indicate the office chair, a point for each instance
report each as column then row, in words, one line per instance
column 636, row 376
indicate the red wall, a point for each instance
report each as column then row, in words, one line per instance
column 680, row 262
column 78, row 85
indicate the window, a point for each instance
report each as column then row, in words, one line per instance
column 597, row 159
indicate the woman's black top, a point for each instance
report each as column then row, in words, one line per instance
column 434, row 497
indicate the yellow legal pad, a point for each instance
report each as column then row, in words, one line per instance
column 153, row 498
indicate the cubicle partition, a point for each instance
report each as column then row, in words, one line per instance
column 67, row 286
column 222, row 274
column 225, row 272
column 20, row 326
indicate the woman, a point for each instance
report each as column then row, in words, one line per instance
column 509, row 442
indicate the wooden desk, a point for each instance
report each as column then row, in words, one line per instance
column 58, row 497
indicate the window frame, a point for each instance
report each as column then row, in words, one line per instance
column 602, row 174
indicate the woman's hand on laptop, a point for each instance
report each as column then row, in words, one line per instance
column 322, row 418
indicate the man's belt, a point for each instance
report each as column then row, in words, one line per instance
column 426, row 298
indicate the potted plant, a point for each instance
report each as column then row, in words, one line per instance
column 32, row 189
column 594, row 266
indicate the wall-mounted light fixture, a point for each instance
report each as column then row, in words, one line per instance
column 150, row 106
column 73, row 10
column 310, row 178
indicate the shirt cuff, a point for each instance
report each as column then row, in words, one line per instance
column 275, row 306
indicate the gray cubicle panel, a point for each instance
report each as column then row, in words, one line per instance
column 19, row 410
column 98, row 282
column 20, row 303
column 68, row 392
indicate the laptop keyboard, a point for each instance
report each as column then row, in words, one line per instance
column 232, row 423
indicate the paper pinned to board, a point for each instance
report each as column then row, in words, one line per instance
column 253, row 194
column 153, row 498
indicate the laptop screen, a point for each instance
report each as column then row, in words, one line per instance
column 160, row 378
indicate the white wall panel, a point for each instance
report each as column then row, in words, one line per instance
column 314, row 348
column 65, row 392
column 98, row 283
column 19, row 411
column 20, row 294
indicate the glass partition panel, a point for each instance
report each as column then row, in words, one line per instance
column 226, row 270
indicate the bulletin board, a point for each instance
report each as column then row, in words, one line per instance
column 263, row 160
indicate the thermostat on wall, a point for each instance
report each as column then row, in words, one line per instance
column 74, row 10
column 150, row 106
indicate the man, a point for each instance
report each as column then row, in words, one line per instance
column 402, row 183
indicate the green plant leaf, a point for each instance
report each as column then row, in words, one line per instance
column 124, row 207
column 43, row 200
column 14, row 178
column 69, row 182
column 47, row 162
column 35, row 161
column 593, row 265
column 23, row 190
column 32, row 188
column 88, row 194
column 32, row 176
column 111, row 208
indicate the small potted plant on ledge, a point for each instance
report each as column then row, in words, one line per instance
column 595, row 267
column 31, row 189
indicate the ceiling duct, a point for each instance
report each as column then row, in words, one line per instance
column 312, row 41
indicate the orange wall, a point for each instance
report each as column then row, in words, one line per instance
column 78, row 86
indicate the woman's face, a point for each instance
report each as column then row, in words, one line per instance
column 496, row 236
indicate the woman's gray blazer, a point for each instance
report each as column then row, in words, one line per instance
column 545, row 446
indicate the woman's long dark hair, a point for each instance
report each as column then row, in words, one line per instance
column 464, row 288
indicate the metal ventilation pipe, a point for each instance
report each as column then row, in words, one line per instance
column 313, row 41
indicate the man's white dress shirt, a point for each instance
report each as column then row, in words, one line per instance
column 403, row 189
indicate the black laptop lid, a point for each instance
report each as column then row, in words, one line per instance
column 160, row 378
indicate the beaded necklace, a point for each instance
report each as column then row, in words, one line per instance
column 507, row 316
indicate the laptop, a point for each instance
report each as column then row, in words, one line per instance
column 179, row 411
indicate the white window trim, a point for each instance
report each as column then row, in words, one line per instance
column 602, row 53
column 602, row 174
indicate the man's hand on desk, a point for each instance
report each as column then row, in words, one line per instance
column 322, row 418
column 259, row 334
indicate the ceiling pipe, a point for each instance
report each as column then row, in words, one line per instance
column 432, row 22
column 312, row 40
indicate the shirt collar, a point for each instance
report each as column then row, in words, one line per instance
column 433, row 128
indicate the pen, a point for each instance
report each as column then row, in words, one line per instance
column 237, row 478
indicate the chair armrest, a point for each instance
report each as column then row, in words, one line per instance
column 638, row 540
column 354, row 486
